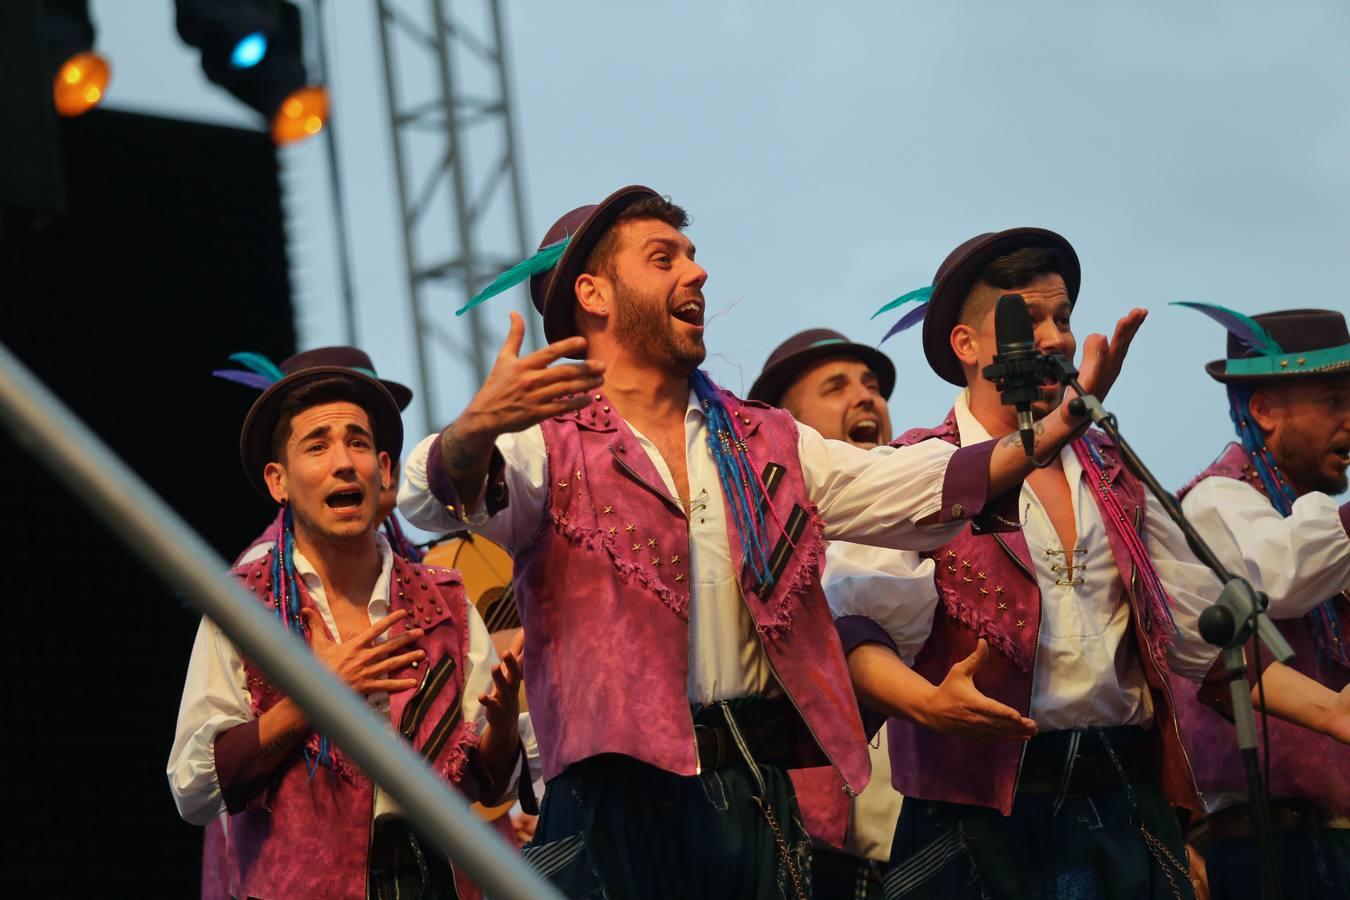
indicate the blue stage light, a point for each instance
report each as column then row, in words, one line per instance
column 249, row 51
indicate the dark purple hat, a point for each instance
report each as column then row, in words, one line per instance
column 1315, row 342
column 958, row 274
column 255, row 438
column 788, row 360
column 552, row 291
column 352, row 358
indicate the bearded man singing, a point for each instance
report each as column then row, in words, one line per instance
column 667, row 540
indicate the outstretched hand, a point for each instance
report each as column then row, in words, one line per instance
column 957, row 707
column 521, row 391
column 1102, row 359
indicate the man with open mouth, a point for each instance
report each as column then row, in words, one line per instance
column 667, row 540
column 840, row 389
column 1071, row 622
column 303, row 821
column 1265, row 508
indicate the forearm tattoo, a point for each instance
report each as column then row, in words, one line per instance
column 1015, row 439
column 281, row 742
column 460, row 460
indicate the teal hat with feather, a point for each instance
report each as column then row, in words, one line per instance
column 1291, row 343
column 562, row 254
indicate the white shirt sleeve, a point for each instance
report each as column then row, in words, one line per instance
column 894, row 588
column 1299, row 560
column 1191, row 586
column 876, row 496
column 215, row 699
column 526, row 478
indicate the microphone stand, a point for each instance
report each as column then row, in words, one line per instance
column 1239, row 612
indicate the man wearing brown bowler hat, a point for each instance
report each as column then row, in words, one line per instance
column 1075, row 621
column 840, row 389
column 260, row 373
column 667, row 541
column 1265, row 508
column 303, row 822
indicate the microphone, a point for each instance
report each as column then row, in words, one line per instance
column 1017, row 367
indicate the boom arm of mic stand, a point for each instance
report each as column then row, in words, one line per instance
column 1227, row 623
column 1239, row 605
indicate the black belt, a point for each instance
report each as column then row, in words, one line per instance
column 771, row 741
column 1091, row 772
column 1240, row 821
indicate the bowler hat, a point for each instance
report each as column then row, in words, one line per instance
column 1314, row 341
column 788, row 360
column 348, row 363
column 958, row 274
column 552, row 291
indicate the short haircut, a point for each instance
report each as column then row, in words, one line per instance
column 1003, row 274
column 331, row 389
column 601, row 258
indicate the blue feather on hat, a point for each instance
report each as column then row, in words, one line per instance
column 248, row 379
column 1251, row 333
column 262, row 374
column 913, row 317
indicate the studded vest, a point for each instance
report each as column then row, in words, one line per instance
column 987, row 588
column 603, row 592
column 1304, row 765
column 310, row 836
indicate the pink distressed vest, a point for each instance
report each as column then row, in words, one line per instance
column 603, row 590
column 310, row 836
column 1304, row 765
column 987, row 587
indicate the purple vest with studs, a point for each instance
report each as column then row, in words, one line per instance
column 987, row 588
column 1304, row 765
column 309, row 837
column 603, row 591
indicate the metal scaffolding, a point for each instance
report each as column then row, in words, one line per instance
column 459, row 187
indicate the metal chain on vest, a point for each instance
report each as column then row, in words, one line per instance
column 1326, row 622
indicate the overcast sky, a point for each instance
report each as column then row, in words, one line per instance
column 832, row 154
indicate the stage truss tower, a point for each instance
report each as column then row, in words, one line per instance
column 462, row 210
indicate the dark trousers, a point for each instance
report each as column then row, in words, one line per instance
column 838, row 876
column 1313, row 862
column 402, row 867
column 613, row 827
column 1118, row 843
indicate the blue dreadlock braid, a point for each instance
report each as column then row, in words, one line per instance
column 1282, row 497
column 287, row 594
column 742, row 489
column 398, row 541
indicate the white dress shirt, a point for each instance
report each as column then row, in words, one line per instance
column 1299, row 560
column 216, row 696
column 874, row 495
column 1086, row 672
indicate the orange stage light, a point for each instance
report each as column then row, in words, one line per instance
column 81, row 83
column 300, row 115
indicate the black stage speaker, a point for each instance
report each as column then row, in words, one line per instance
column 171, row 255
column 30, row 174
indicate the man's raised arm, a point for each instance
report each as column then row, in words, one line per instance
column 445, row 475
